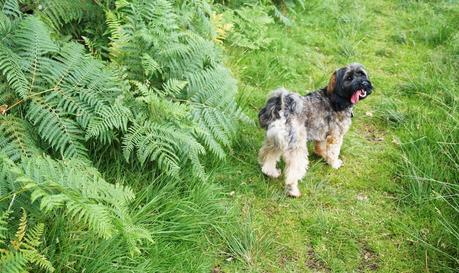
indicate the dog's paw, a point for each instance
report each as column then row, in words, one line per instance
column 293, row 191
column 336, row 164
column 271, row 172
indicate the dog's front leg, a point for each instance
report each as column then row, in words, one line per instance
column 330, row 149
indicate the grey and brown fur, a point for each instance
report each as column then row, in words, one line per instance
column 323, row 116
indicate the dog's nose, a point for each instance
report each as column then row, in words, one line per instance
column 365, row 84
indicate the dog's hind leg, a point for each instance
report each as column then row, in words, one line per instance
column 275, row 142
column 268, row 157
column 296, row 161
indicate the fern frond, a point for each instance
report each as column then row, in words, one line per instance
column 33, row 42
column 11, row 8
column 60, row 12
column 150, row 65
column 188, row 93
column 16, row 139
column 196, row 166
column 63, row 89
column 77, row 189
column 38, row 259
column 33, row 237
column 206, row 137
column 7, row 168
column 173, row 87
column 95, row 216
column 163, row 110
column 159, row 14
column 31, row 242
column 108, row 119
column 134, row 236
column 214, row 120
column 23, row 249
column 6, row 26
column 62, row 133
column 20, row 233
column 11, row 69
column 153, row 143
column 209, row 85
column 13, row 262
column 163, row 144
column 4, row 225
column 220, row 29
column 118, row 36
column 78, row 84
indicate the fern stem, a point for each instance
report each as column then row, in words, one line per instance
column 23, row 100
column 12, row 201
column 201, row 104
column 5, row 197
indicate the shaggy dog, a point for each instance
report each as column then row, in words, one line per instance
column 323, row 116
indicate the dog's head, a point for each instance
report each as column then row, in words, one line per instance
column 348, row 85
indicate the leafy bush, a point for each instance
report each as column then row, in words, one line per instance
column 154, row 90
column 182, row 95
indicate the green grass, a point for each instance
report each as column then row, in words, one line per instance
column 370, row 215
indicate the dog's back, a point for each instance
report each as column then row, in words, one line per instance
column 281, row 103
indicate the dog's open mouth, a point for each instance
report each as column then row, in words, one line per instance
column 358, row 95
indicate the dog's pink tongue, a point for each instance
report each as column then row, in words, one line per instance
column 356, row 96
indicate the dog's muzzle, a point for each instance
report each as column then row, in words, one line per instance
column 359, row 94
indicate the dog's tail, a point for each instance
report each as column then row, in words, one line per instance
column 280, row 103
column 273, row 107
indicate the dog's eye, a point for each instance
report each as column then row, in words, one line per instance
column 349, row 78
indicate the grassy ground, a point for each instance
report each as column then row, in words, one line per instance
column 355, row 219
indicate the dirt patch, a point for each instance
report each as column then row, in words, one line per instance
column 373, row 134
column 369, row 259
column 217, row 269
column 314, row 263
column 286, row 259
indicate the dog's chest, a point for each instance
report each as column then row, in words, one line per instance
column 320, row 121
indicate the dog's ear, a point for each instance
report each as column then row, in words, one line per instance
column 331, row 84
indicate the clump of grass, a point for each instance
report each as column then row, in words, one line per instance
column 389, row 112
column 430, row 165
column 180, row 216
column 243, row 242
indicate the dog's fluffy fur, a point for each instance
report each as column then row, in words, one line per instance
column 323, row 116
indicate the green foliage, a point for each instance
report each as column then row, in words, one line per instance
column 431, row 134
column 242, row 242
column 16, row 138
column 11, row 8
column 185, row 93
column 152, row 88
column 22, row 251
column 250, row 24
column 61, row 12
column 61, row 91
column 71, row 188
column 182, row 97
